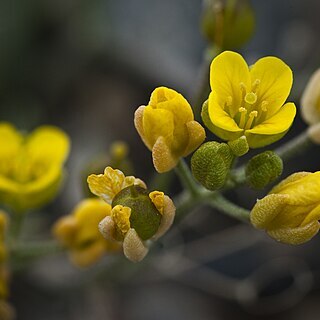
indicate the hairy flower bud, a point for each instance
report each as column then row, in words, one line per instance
column 211, row 163
column 263, row 169
column 239, row 147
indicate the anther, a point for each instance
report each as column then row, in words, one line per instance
column 255, row 85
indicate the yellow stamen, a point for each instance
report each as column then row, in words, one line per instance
column 255, row 85
column 157, row 198
column 121, row 216
column 252, row 116
column 243, row 112
column 243, row 89
column 250, row 98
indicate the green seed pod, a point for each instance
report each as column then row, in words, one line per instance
column 211, row 163
column 263, row 169
column 239, row 146
column 228, row 23
column 144, row 218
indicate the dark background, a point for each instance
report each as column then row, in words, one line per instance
column 85, row 66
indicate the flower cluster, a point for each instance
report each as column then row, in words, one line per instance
column 136, row 214
column 31, row 166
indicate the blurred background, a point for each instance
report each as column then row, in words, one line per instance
column 85, row 66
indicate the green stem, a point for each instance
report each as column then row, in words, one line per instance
column 224, row 205
column 187, row 179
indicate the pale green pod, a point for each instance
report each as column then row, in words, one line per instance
column 263, row 169
column 211, row 163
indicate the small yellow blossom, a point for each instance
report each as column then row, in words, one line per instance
column 31, row 166
column 136, row 215
column 249, row 100
column 109, row 184
column 167, row 127
column 290, row 213
column 79, row 232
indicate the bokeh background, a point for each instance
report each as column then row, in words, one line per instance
column 85, row 66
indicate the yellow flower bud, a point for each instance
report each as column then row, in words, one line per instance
column 136, row 215
column 79, row 232
column 167, row 127
column 290, row 212
column 31, row 167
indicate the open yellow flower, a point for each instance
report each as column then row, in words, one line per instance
column 249, row 100
column 136, row 215
column 167, row 127
column 290, row 212
column 31, row 166
column 79, row 232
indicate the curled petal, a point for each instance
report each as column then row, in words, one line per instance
column 169, row 211
column 138, row 123
column 157, row 198
column 163, row 160
column 121, row 217
column 196, row 136
column 296, row 235
column 267, row 209
column 133, row 247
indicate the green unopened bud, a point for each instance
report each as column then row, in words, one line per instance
column 228, row 23
column 144, row 218
column 211, row 163
column 263, row 169
column 239, row 147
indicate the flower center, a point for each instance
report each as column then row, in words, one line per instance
column 251, row 111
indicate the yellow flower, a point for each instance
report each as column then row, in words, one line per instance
column 249, row 101
column 31, row 166
column 79, row 232
column 290, row 212
column 167, row 127
column 136, row 215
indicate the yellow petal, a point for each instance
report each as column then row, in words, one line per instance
column 162, row 157
column 157, row 198
column 273, row 128
column 313, row 215
column 222, row 124
column 156, row 123
column 287, row 181
column 138, row 123
column 275, row 82
column 303, row 192
column 48, row 144
column 228, row 70
column 297, row 235
column 10, row 141
column 196, row 136
column 121, row 217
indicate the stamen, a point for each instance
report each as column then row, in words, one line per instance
column 250, row 98
column 252, row 116
column 255, row 85
column 243, row 89
column 243, row 112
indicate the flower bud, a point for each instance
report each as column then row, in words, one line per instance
column 211, row 163
column 239, row 147
column 227, row 23
column 310, row 100
column 263, row 169
column 290, row 212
